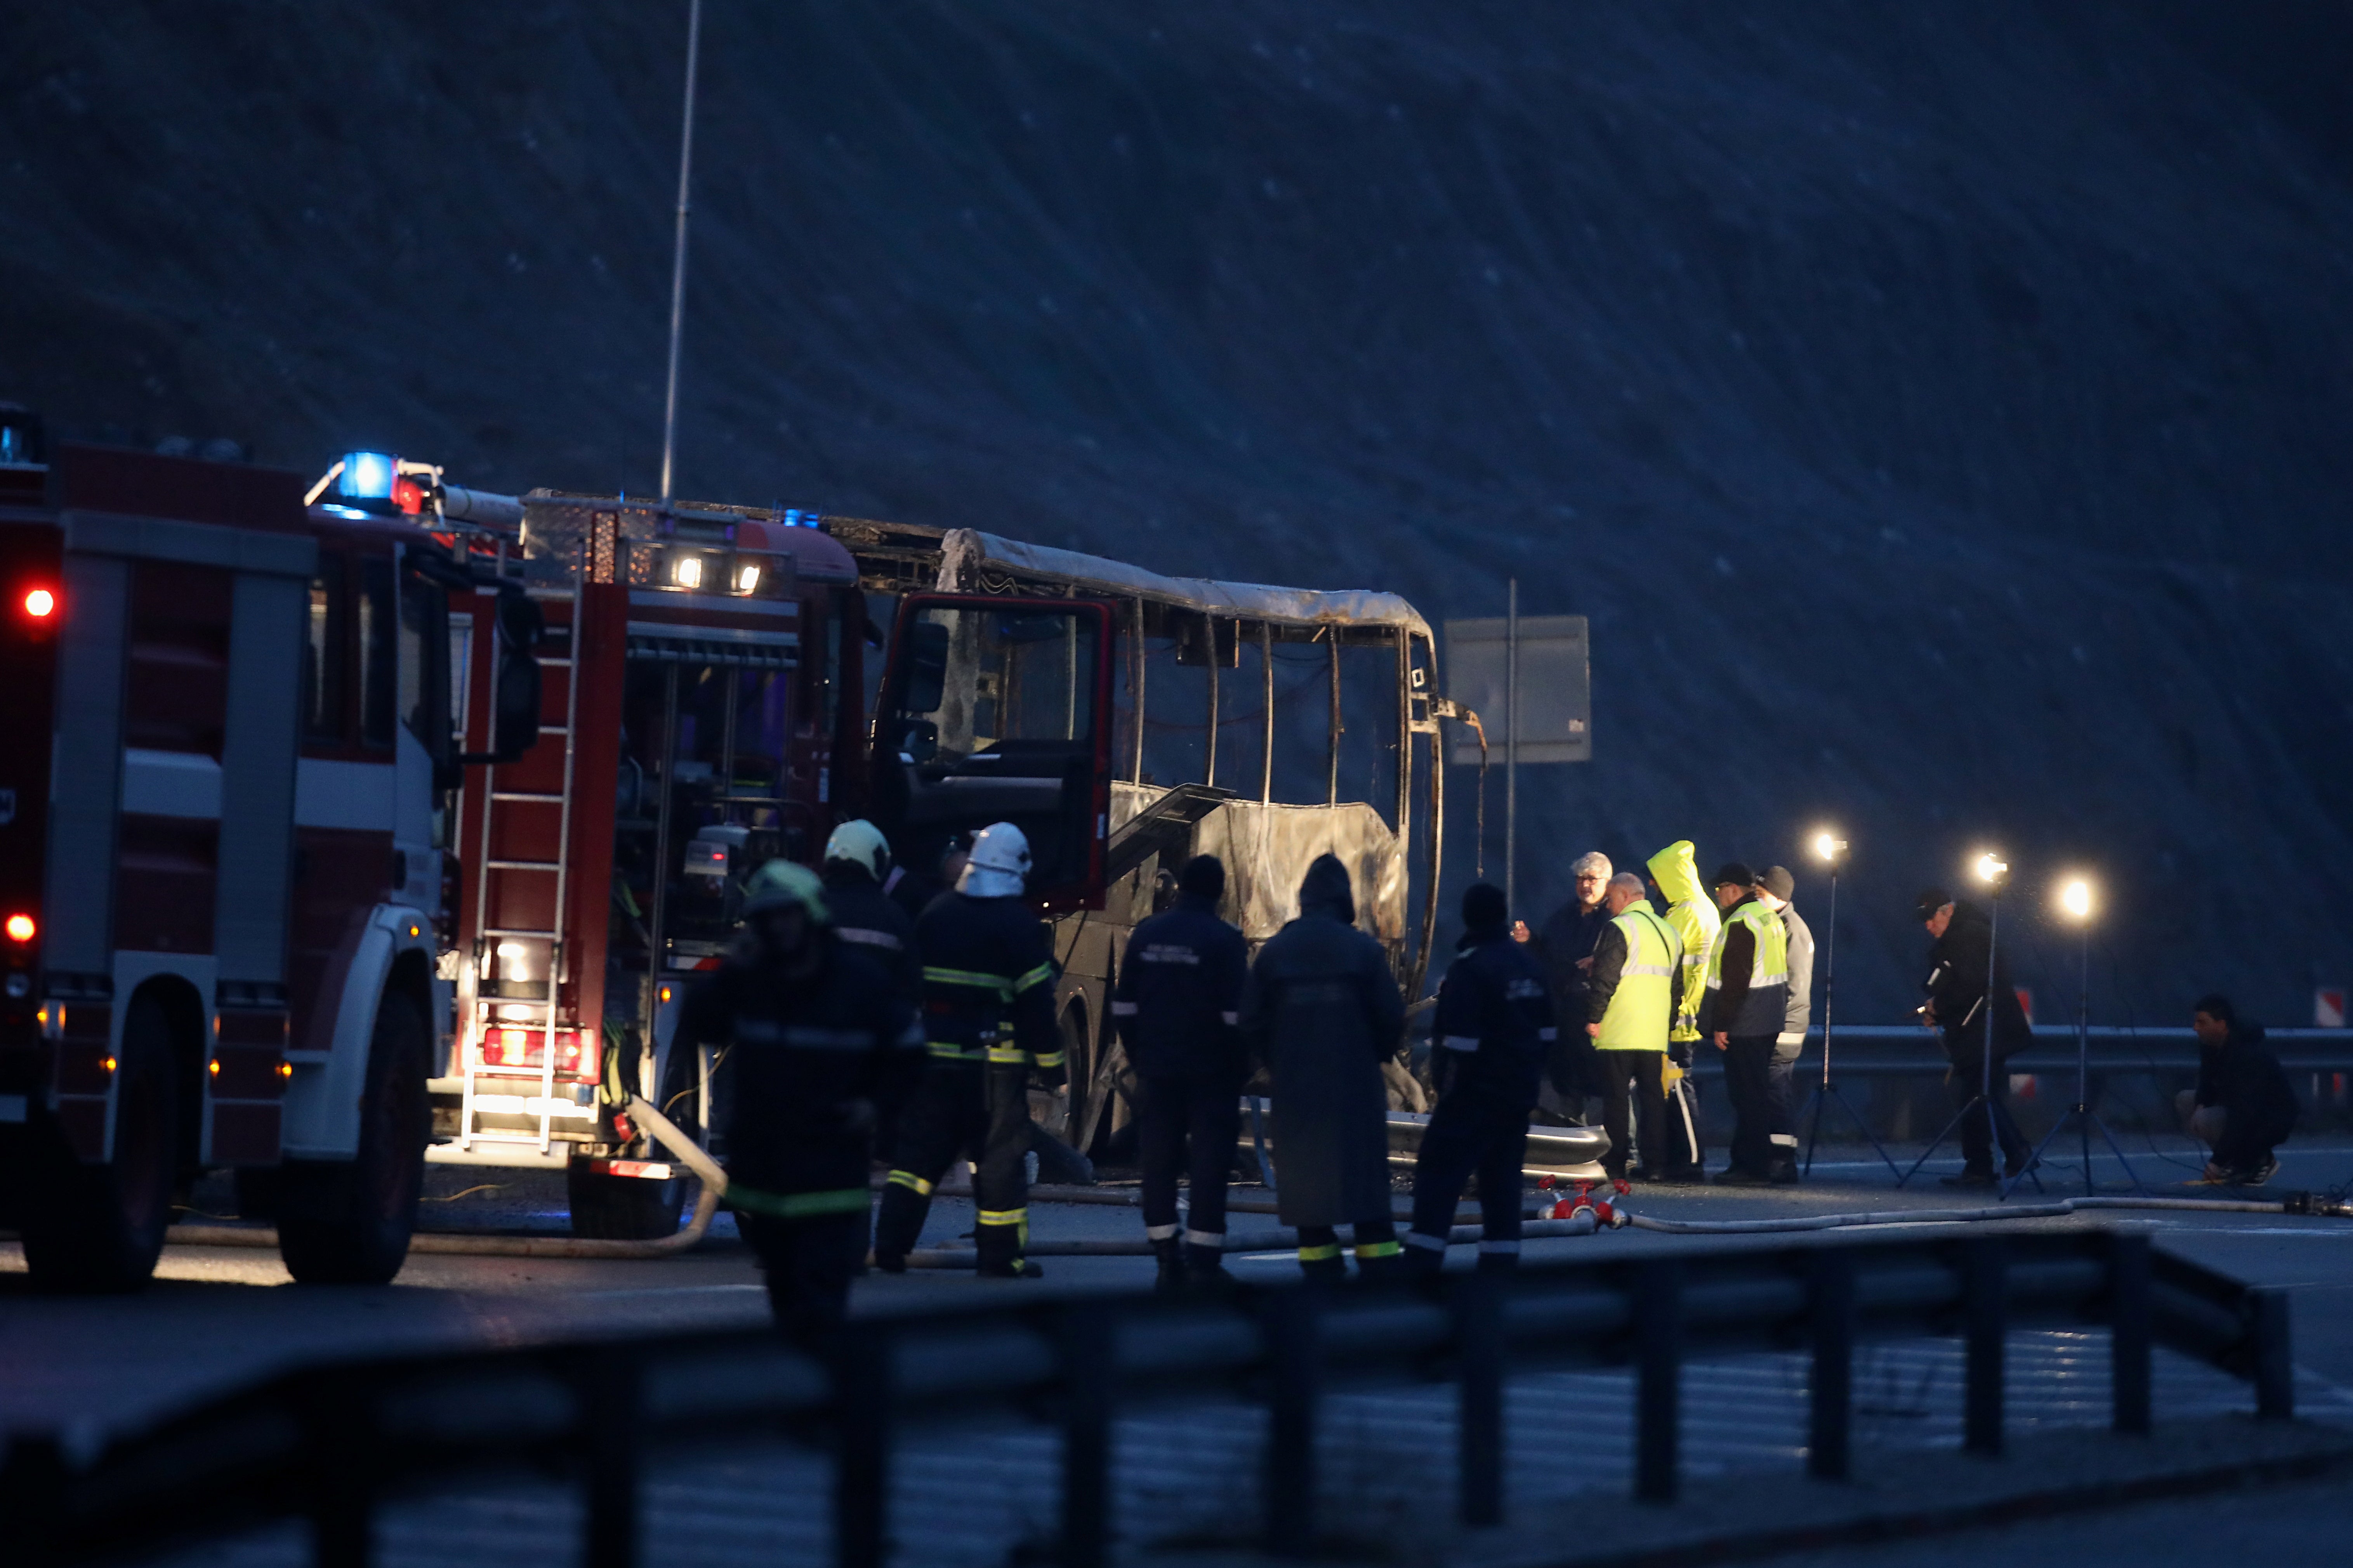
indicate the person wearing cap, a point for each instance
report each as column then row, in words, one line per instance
column 1956, row 1009
column 1747, row 1004
column 1630, row 1005
column 1177, row 1005
column 913, row 889
column 819, row 1042
column 1674, row 871
column 1488, row 1035
column 1322, row 1010
column 1775, row 890
column 988, row 1024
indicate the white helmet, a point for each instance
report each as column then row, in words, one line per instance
column 861, row 844
column 998, row 864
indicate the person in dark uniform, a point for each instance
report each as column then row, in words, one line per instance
column 821, row 1042
column 912, row 888
column 1956, row 1007
column 1322, row 1008
column 1490, row 1034
column 856, row 864
column 1177, row 1005
column 988, row 1021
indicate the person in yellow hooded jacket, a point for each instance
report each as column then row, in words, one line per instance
column 1674, row 870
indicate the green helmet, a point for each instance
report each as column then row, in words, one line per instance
column 782, row 882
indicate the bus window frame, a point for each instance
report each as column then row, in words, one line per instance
column 1088, row 892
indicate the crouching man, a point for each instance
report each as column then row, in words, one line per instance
column 2243, row 1106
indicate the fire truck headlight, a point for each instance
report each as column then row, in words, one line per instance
column 688, row 572
column 747, row 579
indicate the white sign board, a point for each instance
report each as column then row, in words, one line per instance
column 1556, row 688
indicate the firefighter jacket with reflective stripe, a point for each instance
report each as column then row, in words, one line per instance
column 1494, row 1018
column 870, row 919
column 1631, row 993
column 1180, row 993
column 1696, row 921
column 801, row 1052
column 1754, row 953
column 988, row 984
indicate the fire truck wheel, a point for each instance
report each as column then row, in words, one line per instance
column 347, row 1221
column 100, row 1227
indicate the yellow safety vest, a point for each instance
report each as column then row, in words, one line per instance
column 1644, row 1001
column 1772, row 965
column 1697, row 921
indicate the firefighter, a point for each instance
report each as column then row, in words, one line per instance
column 1322, row 1008
column 1490, row 1035
column 857, row 865
column 1177, row 1005
column 988, row 1020
column 821, row 1042
column 1695, row 919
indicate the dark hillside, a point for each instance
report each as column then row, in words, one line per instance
column 1940, row 409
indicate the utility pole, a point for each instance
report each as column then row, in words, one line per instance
column 1512, row 749
column 678, row 253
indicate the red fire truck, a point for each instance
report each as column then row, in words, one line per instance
column 710, row 719
column 227, row 774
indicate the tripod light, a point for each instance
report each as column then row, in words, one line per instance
column 2077, row 901
column 1830, row 848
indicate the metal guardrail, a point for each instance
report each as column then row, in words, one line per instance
column 330, row 1444
column 1909, row 1050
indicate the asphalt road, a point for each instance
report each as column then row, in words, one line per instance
column 218, row 1316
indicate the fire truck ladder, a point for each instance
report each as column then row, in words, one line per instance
column 489, row 1011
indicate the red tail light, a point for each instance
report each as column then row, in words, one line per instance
column 40, row 603
column 523, row 1049
column 22, row 928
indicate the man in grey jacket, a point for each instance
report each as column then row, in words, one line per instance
column 1773, row 890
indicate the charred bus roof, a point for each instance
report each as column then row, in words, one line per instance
column 901, row 558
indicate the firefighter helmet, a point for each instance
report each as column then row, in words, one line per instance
column 998, row 864
column 861, row 844
column 782, row 882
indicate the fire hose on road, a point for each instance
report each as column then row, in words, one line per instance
column 1578, row 1216
column 687, row 1152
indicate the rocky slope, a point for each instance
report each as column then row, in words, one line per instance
column 1939, row 408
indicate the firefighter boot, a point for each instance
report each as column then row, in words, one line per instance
column 1171, row 1254
column 901, row 1221
column 997, row 1244
column 1319, row 1256
column 1378, row 1258
column 1205, row 1263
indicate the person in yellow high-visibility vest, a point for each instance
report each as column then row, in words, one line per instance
column 1630, row 999
column 1693, row 916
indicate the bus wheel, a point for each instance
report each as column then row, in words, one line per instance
column 636, row 1208
column 100, row 1227
column 347, row 1221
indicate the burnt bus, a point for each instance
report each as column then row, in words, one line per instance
column 1127, row 721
